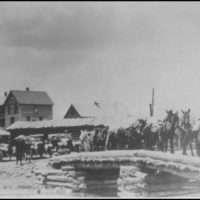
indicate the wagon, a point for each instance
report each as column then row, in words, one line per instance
column 77, row 146
column 4, row 139
column 60, row 142
column 38, row 145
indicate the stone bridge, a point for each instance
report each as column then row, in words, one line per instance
column 183, row 166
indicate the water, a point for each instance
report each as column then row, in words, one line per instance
column 129, row 181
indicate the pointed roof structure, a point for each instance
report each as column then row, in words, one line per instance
column 97, row 109
column 31, row 97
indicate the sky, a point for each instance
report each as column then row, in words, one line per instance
column 81, row 52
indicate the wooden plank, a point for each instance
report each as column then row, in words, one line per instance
column 60, row 184
column 63, row 179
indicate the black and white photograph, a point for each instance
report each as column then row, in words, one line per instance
column 99, row 99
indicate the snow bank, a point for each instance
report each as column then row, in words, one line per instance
column 188, row 167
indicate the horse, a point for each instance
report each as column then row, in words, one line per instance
column 111, row 140
column 125, row 138
column 70, row 145
column 186, row 134
column 167, row 132
column 84, row 140
column 28, row 150
column 196, row 132
column 99, row 139
column 87, row 140
column 117, row 139
column 150, row 136
column 22, row 149
column 134, row 138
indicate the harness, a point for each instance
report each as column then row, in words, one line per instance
column 187, row 128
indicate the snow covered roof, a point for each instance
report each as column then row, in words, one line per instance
column 101, row 109
column 153, row 120
column 121, row 122
column 114, row 109
column 2, row 100
column 50, row 123
column 87, row 110
column 4, row 133
column 32, row 97
column 112, row 122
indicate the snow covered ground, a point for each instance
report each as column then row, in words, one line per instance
column 22, row 181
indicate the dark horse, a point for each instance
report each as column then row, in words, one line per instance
column 99, row 139
column 186, row 133
column 134, row 138
column 23, row 149
column 125, row 138
column 168, row 131
column 116, row 139
column 150, row 136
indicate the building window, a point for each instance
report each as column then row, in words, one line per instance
column 11, row 109
column 16, row 108
column 2, row 122
column 8, row 109
column 36, row 109
column 12, row 120
column 40, row 118
column 28, row 118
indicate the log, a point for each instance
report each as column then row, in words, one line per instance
column 59, row 184
column 183, row 166
column 62, row 179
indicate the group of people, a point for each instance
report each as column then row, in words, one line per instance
column 172, row 132
column 93, row 140
column 24, row 147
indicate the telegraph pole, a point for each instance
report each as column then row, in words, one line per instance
column 153, row 102
column 151, row 106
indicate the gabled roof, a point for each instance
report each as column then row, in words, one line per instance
column 86, row 110
column 101, row 109
column 32, row 97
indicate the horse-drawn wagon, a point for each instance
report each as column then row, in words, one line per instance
column 62, row 142
column 39, row 146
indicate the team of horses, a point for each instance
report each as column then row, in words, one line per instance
column 166, row 134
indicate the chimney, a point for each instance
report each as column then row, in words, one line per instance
column 5, row 94
column 97, row 104
column 27, row 89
